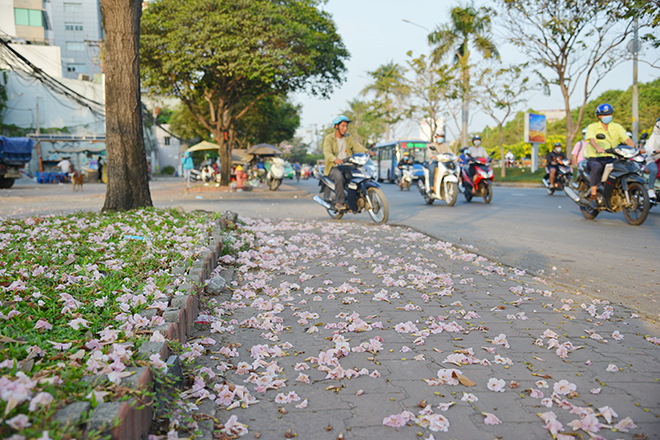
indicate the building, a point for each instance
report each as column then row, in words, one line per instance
column 78, row 31
column 24, row 20
column 553, row 115
column 169, row 149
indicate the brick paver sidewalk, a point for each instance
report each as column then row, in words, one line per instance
column 396, row 311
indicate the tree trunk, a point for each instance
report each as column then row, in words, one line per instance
column 128, row 186
column 503, row 161
column 570, row 125
column 466, row 106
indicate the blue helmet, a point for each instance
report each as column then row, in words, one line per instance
column 604, row 109
column 339, row 119
column 558, row 144
column 476, row 137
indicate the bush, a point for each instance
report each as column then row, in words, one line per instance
column 169, row 170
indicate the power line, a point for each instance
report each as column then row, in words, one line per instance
column 50, row 82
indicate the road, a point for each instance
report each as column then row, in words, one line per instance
column 522, row 227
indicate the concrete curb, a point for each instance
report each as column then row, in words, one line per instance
column 131, row 419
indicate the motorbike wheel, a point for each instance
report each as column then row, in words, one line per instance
column 468, row 195
column 588, row 212
column 274, row 184
column 330, row 198
column 407, row 185
column 422, row 190
column 451, row 193
column 380, row 211
column 639, row 199
column 487, row 191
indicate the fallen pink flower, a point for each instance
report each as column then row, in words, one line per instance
column 491, row 419
column 625, row 424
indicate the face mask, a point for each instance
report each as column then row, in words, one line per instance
column 440, row 140
column 607, row 119
column 477, row 143
column 557, row 150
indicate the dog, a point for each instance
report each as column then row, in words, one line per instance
column 78, row 179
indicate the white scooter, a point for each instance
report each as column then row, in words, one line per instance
column 275, row 174
column 445, row 184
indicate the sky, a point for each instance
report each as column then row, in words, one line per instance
column 374, row 33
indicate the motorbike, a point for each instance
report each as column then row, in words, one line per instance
column 562, row 178
column 656, row 187
column 445, row 182
column 621, row 188
column 362, row 190
column 406, row 179
column 275, row 174
column 482, row 185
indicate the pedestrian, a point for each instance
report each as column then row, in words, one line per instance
column 100, row 169
column 66, row 167
column 187, row 166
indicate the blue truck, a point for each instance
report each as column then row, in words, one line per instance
column 14, row 154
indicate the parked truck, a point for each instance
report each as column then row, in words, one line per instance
column 14, row 154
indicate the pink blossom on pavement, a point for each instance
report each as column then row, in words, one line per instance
column 497, row 385
column 564, row 387
column 625, row 424
column 491, row 419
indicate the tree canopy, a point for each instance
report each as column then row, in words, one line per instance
column 220, row 57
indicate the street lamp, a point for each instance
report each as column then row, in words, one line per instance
column 415, row 24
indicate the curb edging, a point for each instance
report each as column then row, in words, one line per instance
column 131, row 419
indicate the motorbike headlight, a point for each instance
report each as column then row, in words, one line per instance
column 360, row 158
column 482, row 173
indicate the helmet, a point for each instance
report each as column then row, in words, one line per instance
column 476, row 137
column 558, row 144
column 604, row 109
column 584, row 130
column 339, row 119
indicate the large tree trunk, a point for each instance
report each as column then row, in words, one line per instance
column 128, row 186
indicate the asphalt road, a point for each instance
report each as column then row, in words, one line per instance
column 522, row 227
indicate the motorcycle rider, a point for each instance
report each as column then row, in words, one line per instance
column 597, row 158
column 405, row 161
column 475, row 151
column 579, row 147
column 552, row 162
column 652, row 148
column 337, row 147
column 432, row 156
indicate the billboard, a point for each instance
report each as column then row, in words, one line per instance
column 535, row 126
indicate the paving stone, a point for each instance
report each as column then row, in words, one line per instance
column 378, row 257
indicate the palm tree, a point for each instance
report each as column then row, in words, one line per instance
column 468, row 26
column 390, row 88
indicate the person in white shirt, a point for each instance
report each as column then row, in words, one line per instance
column 64, row 165
column 476, row 150
column 652, row 148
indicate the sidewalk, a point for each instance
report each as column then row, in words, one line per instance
column 396, row 311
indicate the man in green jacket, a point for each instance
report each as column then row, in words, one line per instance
column 337, row 147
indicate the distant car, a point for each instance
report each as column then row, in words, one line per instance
column 288, row 171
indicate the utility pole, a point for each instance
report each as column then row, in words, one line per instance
column 635, row 88
column 41, row 161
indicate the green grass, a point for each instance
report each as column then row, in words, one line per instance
column 519, row 175
column 113, row 266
